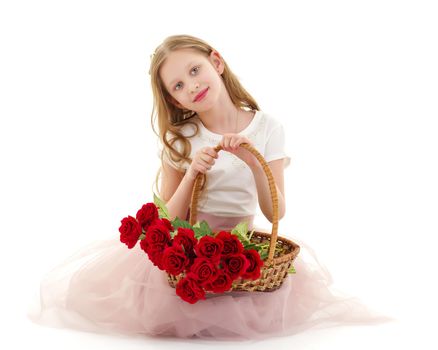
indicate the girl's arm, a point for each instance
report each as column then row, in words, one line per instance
column 231, row 143
column 182, row 186
column 264, row 195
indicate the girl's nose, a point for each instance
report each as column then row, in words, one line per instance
column 195, row 87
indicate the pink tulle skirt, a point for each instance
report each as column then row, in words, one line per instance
column 106, row 287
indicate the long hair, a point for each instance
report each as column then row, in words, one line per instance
column 171, row 118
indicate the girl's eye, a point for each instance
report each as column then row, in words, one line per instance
column 197, row 69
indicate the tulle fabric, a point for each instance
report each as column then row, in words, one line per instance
column 106, row 287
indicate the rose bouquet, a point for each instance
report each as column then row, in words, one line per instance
column 206, row 262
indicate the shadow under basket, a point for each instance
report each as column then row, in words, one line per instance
column 276, row 266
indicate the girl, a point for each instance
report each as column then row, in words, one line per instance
column 201, row 104
column 107, row 288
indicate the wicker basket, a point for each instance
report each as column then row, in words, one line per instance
column 275, row 268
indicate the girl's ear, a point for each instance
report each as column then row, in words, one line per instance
column 217, row 61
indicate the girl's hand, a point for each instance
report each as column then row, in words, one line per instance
column 203, row 160
column 231, row 143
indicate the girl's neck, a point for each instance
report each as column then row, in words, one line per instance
column 221, row 119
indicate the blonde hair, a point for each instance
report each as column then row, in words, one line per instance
column 171, row 118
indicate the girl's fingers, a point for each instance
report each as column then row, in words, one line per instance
column 237, row 142
column 203, row 167
column 245, row 140
column 226, row 142
column 211, row 152
column 209, row 163
column 208, row 152
column 206, row 158
column 202, row 162
column 233, row 142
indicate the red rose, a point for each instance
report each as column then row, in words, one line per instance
column 174, row 260
column 204, row 269
column 130, row 231
column 156, row 240
column 155, row 255
column 255, row 264
column 144, row 245
column 221, row 283
column 235, row 264
column 189, row 290
column 191, row 256
column 157, row 234
column 209, row 247
column 147, row 215
column 167, row 223
column 232, row 245
column 186, row 238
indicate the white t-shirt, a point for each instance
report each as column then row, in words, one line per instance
column 231, row 189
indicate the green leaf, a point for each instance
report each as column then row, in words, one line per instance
column 241, row 231
column 197, row 224
column 177, row 222
column 205, row 227
column 202, row 229
column 264, row 254
column 252, row 246
column 240, row 228
column 292, row 269
column 162, row 209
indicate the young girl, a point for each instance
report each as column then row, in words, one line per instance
column 200, row 105
column 105, row 287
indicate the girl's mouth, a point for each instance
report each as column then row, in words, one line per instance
column 201, row 95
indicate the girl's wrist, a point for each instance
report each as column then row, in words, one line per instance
column 189, row 176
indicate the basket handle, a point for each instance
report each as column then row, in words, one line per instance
column 274, row 196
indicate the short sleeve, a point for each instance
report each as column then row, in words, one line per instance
column 168, row 159
column 275, row 146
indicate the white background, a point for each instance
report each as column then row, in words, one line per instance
column 354, row 82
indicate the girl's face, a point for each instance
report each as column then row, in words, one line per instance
column 185, row 73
